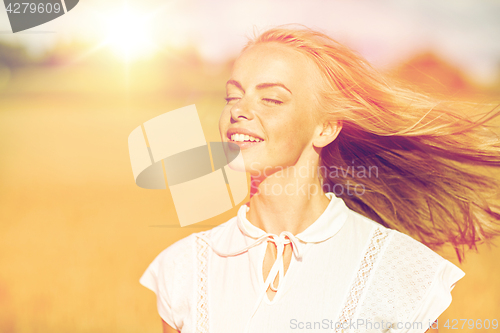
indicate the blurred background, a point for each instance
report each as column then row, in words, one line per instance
column 76, row 233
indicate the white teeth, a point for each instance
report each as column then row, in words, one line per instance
column 244, row 137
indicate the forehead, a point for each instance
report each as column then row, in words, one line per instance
column 272, row 62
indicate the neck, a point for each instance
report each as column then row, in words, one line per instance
column 288, row 200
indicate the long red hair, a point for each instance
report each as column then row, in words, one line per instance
column 425, row 151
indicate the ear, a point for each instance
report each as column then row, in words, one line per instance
column 327, row 133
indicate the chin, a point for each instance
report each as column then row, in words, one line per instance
column 238, row 164
column 246, row 165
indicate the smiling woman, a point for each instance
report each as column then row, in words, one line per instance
column 273, row 90
column 309, row 247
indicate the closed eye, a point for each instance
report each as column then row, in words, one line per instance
column 230, row 99
column 272, row 101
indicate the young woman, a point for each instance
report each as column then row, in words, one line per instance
column 344, row 166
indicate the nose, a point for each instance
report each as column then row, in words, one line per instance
column 241, row 111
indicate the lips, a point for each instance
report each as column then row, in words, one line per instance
column 243, row 135
column 243, row 138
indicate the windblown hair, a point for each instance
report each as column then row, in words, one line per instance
column 426, row 152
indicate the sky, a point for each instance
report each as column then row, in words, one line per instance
column 386, row 32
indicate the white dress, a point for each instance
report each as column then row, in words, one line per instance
column 347, row 274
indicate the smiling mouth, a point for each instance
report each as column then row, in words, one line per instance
column 244, row 138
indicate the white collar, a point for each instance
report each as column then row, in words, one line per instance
column 325, row 227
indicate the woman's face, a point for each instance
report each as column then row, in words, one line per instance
column 270, row 111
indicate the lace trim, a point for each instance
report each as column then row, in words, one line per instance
column 376, row 244
column 202, row 285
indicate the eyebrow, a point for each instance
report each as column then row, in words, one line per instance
column 235, row 83
column 259, row 86
column 270, row 85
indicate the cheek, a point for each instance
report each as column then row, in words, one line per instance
column 287, row 137
column 295, row 131
column 224, row 120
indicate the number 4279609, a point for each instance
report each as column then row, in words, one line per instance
column 31, row 7
column 455, row 324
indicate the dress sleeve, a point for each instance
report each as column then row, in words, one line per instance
column 155, row 280
column 426, row 279
column 437, row 298
column 168, row 276
column 408, row 288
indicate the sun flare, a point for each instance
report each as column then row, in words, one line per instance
column 130, row 34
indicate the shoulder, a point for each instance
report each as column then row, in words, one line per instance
column 403, row 247
column 405, row 261
column 170, row 267
column 395, row 245
column 172, row 276
column 415, row 265
column 177, row 254
column 183, row 252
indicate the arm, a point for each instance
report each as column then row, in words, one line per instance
column 167, row 328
